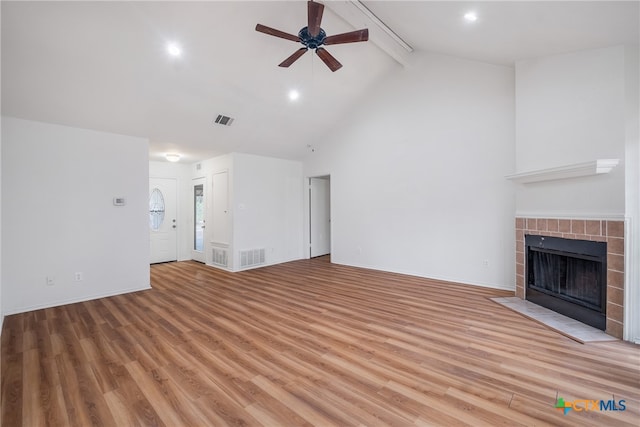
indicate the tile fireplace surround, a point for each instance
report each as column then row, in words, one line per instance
column 608, row 231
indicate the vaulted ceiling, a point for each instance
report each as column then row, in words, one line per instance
column 104, row 65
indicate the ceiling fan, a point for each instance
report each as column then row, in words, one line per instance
column 314, row 37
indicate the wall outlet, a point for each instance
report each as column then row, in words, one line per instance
column 78, row 277
column 51, row 280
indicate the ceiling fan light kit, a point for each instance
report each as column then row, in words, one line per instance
column 314, row 37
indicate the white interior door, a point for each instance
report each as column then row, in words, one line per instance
column 220, row 225
column 199, row 214
column 162, row 219
column 319, row 216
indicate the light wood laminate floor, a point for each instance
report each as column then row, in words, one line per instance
column 303, row 343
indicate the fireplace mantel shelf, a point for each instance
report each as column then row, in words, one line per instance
column 595, row 167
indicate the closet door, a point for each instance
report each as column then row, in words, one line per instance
column 220, row 222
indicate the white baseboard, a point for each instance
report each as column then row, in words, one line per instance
column 439, row 278
column 25, row 309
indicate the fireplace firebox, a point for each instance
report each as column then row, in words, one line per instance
column 568, row 276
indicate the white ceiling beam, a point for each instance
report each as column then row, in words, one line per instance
column 357, row 14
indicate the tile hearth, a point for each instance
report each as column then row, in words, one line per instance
column 571, row 328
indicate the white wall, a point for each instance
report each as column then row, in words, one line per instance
column 182, row 174
column 569, row 109
column 632, row 193
column 417, row 174
column 1, row 306
column 267, row 208
column 579, row 107
column 58, row 216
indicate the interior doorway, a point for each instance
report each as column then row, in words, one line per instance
column 319, row 216
column 199, row 206
column 162, row 220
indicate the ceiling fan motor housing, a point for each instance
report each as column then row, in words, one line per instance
column 309, row 41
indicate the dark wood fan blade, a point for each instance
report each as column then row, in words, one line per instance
column 326, row 57
column 314, row 13
column 273, row 32
column 293, row 58
column 351, row 37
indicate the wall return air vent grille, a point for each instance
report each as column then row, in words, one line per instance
column 251, row 258
column 220, row 257
column 223, row 120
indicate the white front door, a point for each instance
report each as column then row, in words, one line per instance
column 319, row 216
column 162, row 219
column 199, row 215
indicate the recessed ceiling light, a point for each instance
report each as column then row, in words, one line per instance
column 294, row 94
column 172, row 157
column 470, row 17
column 174, row 49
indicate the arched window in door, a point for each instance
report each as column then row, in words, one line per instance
column 156, row 209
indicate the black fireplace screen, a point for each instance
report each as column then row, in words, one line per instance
column 568, row 276
column 575, row 279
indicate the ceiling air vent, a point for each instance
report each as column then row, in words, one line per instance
column 224, row 120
